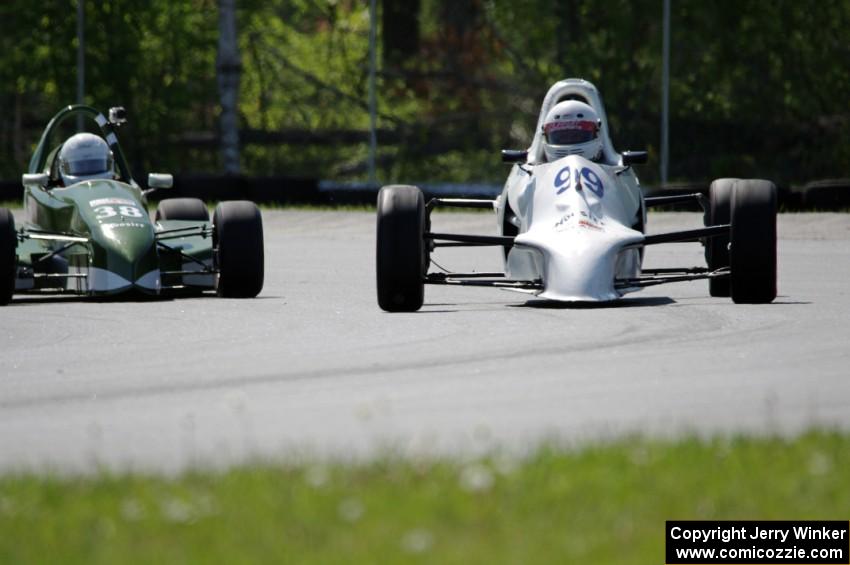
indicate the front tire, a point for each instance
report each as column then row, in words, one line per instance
column 402, row 254
column 508, row 227
column 238, row 249
column 717, row 248
column 8, row 256
column 752, row 252
column 192, row 209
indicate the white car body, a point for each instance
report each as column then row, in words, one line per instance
column 578, row 223
column 573, row 229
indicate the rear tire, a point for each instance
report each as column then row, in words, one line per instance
column 752, row 252
column 8, row 256
column 192, row 209
column 238, row 249
column 717, row 248
column 402, row 254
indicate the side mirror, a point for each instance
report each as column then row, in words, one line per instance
column 160, row 180
column 634, row 157
column 41, row 179
column 514, row 156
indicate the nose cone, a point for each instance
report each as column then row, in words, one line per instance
column 579, row 247
column 124, row 257
column 127, row 243
column 580, row 268
column 576, row 266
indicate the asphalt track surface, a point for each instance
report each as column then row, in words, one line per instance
column 313, row 367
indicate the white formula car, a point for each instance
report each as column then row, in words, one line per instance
column 573, row 229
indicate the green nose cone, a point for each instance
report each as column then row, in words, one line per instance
column 125, row 249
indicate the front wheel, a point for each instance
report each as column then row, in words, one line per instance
column 717, row 248
column 238, row 249
column 8, row 256
column 752, row 249
column 192, row 209
column 402, row 253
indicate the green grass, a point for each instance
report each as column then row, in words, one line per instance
column 599, row 504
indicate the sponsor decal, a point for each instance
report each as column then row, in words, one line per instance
column 590, row 225
column 562, row 224
column 125, row 225
column 566, row 222
column 584, row 125
column 113, row 201
column 592, row 218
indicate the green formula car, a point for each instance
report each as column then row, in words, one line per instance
column 86, row 229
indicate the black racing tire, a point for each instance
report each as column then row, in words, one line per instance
column 192, row 209
column 752, row 250
column 402, row 254
column 238, row 249
column 717, row 248
column 508, row 229
column 8, row 256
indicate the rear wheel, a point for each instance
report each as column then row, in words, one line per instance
column 238, row 249
column 8, row 257
column 401, row 254
column 752, row 253
column 192, row 209
column 717, row 248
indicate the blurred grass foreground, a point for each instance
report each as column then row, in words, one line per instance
column 597, row 504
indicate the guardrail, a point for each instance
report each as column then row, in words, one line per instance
column 819, row 195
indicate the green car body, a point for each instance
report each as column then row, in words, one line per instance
column 96, row 237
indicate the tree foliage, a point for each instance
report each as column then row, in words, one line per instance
column 758, row 88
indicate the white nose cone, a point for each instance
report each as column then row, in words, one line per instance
column 575, row 242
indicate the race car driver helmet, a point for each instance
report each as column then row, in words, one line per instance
column 85, row 156
column 571, row 128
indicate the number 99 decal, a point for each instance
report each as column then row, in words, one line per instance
column 593, row 182
column 564, row 178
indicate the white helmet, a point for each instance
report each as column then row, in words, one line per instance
column 85, row 156
column 571, row 128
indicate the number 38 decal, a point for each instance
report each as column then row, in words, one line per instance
column 104, row 212
column 564, row 180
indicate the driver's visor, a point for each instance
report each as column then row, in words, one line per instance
column 86, row 167
column 570, row 132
